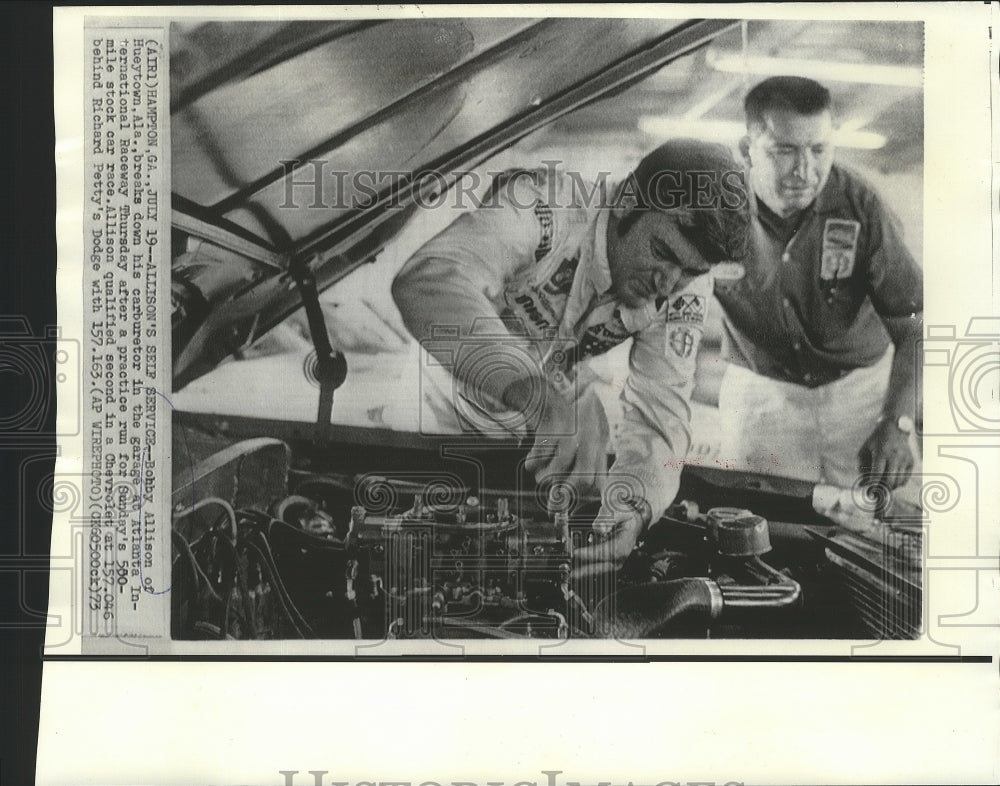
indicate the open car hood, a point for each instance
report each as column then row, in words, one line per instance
column 260, row 112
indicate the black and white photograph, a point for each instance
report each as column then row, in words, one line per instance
column 517, row 394
column 556, row 328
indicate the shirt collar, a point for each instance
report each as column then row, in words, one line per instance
column 827, row 199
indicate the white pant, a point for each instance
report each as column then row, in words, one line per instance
column 811, row 434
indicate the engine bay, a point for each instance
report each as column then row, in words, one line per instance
column 265, row 549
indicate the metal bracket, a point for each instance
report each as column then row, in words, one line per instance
column 331, row 365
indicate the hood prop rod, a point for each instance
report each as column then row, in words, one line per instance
column 331, row 365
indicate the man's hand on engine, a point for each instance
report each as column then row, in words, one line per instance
column 571, row 442
column 616, row 531
column 886, row 455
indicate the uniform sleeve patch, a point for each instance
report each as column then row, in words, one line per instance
column 680, row 342
column 687, row 308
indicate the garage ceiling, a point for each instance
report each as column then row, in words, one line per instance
column 873, row 70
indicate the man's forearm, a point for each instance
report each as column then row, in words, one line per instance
column 449, row 313
column 902, row 396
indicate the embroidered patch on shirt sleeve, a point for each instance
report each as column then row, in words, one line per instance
column 680, row 341
column 687, row 308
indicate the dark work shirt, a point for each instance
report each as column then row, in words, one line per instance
column 808, row 309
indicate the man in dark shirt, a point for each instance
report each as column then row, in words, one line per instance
column 815, row 389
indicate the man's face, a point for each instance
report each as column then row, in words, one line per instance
column 789, row 159
column 652, row 258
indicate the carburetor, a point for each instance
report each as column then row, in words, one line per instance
column 468, row 570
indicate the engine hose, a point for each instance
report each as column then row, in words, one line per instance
column 649, row 610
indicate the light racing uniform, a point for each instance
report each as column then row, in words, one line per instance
column 523, row 282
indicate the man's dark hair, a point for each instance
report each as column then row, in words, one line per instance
column 792, row 93
column 703, row 181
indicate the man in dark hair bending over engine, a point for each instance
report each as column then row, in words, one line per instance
column 513, row 294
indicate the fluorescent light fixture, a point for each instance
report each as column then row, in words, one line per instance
column 725, row 131
column 861, row 73
column 730, row 132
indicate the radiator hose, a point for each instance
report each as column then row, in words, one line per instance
column 651, row 610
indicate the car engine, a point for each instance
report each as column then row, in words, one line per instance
column 263, row 550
